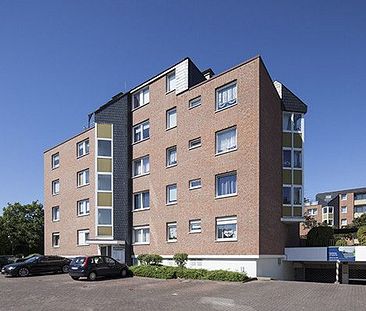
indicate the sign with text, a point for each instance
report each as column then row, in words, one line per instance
column 341, row 253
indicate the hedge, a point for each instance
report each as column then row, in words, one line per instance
column 166, row 272
column 150, row 259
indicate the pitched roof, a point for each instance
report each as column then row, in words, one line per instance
column 290, row 102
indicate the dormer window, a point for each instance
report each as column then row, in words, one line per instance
column 170, row 81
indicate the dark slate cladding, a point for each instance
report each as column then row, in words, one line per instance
column 195, row 75
column 117, row 111
column 291, row 102
column 322, row 197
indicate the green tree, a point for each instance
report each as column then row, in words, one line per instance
column 359, row 221
column 22, row 228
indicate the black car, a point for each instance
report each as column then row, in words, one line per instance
column 25, row 258
column 96, row 266
column 6, row 259
column 37, row 265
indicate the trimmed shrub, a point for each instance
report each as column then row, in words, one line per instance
column 320, row 236
column 341, row 242
column 180, row 259
column 150, row 259
column 193, row 274
column 361, row 235
column 158, row 272
column 223, row 275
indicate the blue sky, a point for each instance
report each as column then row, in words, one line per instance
column 59, row 60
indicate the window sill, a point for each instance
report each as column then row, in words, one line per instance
column 170, row 128
column 142, row 243
column 54, row 168
column 55, row 220
column 81, row 186
column 226, row 240
column 168, row 92
column 140, row 141
column 226, row 196
column 56, row 246
column 194, row 188
column 83, row 215
column 140, row 210
column 171, row 241
column 225, row 152
column 137, row 176
column 81, row 156
column 194, row 147
column 137, row 108
column 172, row 165
column 170, row 204
column 82, row 245
column 55, row 194
column 222, row 109
column 194, row 232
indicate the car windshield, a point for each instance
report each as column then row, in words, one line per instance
column 32, row 259
column 78, row 261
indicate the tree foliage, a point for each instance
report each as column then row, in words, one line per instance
column 21, row 229
column 361, row 235
column 320, row 236
column 359, row 221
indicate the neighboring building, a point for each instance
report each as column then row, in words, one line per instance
column 187, row 161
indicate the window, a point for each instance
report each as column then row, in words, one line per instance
column 83, row 207
column 141, row 98
column 195, row 183
column 297, row 122
column 226, row 184
column 344, row 197
column 104, row 148
column 83, row 236
column 313, row 211
column 171, row 194
column 286, row 122
column 55, row 213
column 105, row 182
column 360, row 209
column 286, row 196
column 104, row 216
column 195, row 143
column 226, row 96
column 141, row 166
column 330, row 209
column 325, row 210
column 83, row 148
column 141, row 235
column 343, row 209
column 56, row 239
column 195, row 226
column 297, row 196
column 171, row 229
column 141, row 132
column 360, row 196
column 193, row 103
column 141, row 200
column 226, row 228
column 83, row 178
column 330, row 222
column 55, row 187
column 286, row 158
column 171, row 156
column 297, row 159
column 343, row 222
column 170, row 81
column 55, row 160
column 171, row 118
column 226, row 140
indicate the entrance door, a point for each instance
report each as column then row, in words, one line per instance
column 106, row 250
column 118, row 253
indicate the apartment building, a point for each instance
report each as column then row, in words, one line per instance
column 188, row 161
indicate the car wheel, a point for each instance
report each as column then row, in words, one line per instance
column 123, row 273
column 23, row 272
column 75, row 278
column 65, row 269
column 92, row 276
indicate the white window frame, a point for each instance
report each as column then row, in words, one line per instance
column 141, row 228
column 344, row 197
column 342, row 211
column 195, row 187
column 141, row 93
column 301, row 122
column 195, row 221
column 86, row 207
column 97, row 216
column 168, row 201
column 192, row 141
column 195, row 102
column 221, row 88
column 86, row 150
column 107, row 174
column 168, row 150
column 140, row 193
column 312, row 211
column 85, row 232
column 168, row 225
column 345, row 220
column 224, row 131
column 53, row 185
column 229, row 221
column 104, row 156
column 54, row 234
column 168, row 88
column 141, row 127
column 85, row 178
column 141, row 161
column 54, row 208
column 53, row 157
column 168, row 113
column 232, row 173
column 291, row 122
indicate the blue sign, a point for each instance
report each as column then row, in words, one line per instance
column 341, row 253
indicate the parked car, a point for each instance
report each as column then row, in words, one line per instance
column 6, row 259
column 93, row 267
column 37, row 265
column 27, row 257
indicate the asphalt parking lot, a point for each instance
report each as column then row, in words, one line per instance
column 60, row 292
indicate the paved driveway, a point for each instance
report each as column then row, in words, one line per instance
column 59, row 292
